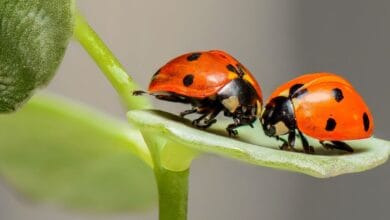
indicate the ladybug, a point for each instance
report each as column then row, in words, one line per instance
column 212, row 82
column 324, row 106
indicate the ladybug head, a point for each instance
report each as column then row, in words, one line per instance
column 278, row 117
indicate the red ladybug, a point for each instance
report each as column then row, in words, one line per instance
column 211, row 81
column 321, row 105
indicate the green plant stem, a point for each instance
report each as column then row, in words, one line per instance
column 172, row 186
column 108, row 63
column 173, row 194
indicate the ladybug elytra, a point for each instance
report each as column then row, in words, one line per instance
column 321, row 105
column 212, row 82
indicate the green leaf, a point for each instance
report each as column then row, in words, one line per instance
column 254, row 147
column 33, row 37
column 60, row 152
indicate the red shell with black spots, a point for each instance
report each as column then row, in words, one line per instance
column 200, row 74
column 328, row 107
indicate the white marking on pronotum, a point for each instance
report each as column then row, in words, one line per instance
column 231, row 103
column 281, row 128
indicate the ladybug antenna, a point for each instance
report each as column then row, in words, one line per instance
column 139, row 92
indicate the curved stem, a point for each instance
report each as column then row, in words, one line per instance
column 108, row 63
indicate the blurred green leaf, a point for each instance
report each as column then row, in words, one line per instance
column 33, row 38
column 254, row 147
column 57, row 151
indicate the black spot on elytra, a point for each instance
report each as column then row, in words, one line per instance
column 296, row 91
column 294, row 88
column 231, row 68
column 193, row 56
column 188, row 80
column 366, row 121
column 330, row 124
column 338, row 94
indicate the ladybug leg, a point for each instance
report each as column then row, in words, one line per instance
column 210, row 119
column 289, row 145
column 337, row 145
column 306, row 147
column 291, row 140
column 285, row 143
column 207, row 119
column 197, row 122
column 227, row 113
column 231, row 127
column 240, row 120
column 342, row 146
column 187, row 112
column 327, row 145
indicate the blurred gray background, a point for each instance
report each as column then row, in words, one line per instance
column 276, row 40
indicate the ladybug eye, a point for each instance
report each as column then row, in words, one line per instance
column 270, row 130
